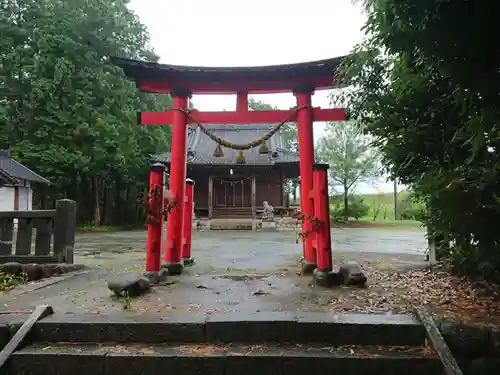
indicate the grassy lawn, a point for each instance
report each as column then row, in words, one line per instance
column 381, row 213
column 382, row 205
column 105, row 228
column 366, row 223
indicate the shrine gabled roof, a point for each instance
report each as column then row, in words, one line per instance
column 201, row 148
column 270, row 78
column 7, row 179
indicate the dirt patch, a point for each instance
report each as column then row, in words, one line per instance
column 401, row 290
column 390, row 290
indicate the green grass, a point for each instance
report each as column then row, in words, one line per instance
column 8, row 282
column 384, row 204
column 381, row 213
column 99, row 228
column 396, row 225
column 90, row 227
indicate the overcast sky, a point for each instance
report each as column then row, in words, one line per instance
column 258, row 32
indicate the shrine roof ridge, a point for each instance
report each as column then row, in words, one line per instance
column 200, row 148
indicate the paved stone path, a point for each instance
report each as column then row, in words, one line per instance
column 248, row 250
column 235, row 271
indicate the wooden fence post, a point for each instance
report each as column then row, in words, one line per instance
column 64, row 230
column 6, row 236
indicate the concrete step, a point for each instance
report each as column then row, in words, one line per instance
column 231, row 224
column 235, row 359
column 233, row 327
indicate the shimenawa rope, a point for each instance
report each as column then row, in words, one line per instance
column 246, row 146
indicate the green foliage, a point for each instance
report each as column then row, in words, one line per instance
column 350, row 155
column 410, row 210
column 69, row 114
column 356, row 208
column 289, row 130
column 382, row 205
column 427, row 89
column 9, row 281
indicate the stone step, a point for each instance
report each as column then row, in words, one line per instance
column 231, row 224
column 297, row 327
column 235, row 359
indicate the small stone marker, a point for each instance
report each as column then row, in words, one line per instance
column 327, row 279
column 132, row 284
column 352, row 274
column 12, row 268
column 162, row 275
column 33, row 271
column 159, row 277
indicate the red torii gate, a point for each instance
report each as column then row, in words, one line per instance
column 182, row 81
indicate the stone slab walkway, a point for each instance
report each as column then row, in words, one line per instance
column 235, row 271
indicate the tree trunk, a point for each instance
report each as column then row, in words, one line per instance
column 109, row 204
column 346, row 202
column 97, row 203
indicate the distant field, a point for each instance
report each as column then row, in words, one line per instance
column 396, row 225
column 382, row 209
column 382, row 205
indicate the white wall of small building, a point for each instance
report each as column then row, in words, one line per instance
column 8, row 195
column 28, row 202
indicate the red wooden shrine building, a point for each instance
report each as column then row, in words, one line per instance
column 181, row 82
column 226, row 187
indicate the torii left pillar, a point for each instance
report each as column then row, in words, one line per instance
column 155, row 223
column 178, row 164
column 303, row 95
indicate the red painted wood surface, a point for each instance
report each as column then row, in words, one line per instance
column 188, row 219
column 243, row 117
column 306, row 160
column 173, row 252
column 321, row 212
column 268, row 86
column 153, row 244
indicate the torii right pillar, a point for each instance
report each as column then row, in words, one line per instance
column 323, row 275
column 303, row 95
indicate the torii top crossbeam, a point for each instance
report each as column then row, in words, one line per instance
column 162, row 78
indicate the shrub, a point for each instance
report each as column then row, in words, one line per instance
column 413, row 213
column 410, row 210
column 357, row 208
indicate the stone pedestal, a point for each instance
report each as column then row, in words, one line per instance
column 307, row 267
column 188, row 262
column 268, row 226
column 174, row 268
column 157, row 277
column 131, row 284
column 327, row 279
column 352, row 274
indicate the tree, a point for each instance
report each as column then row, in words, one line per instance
column 351, row 157
column 289, row 130
column 71, row 115
column 427, row 90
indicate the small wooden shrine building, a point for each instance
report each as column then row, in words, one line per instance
column 226, row 186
